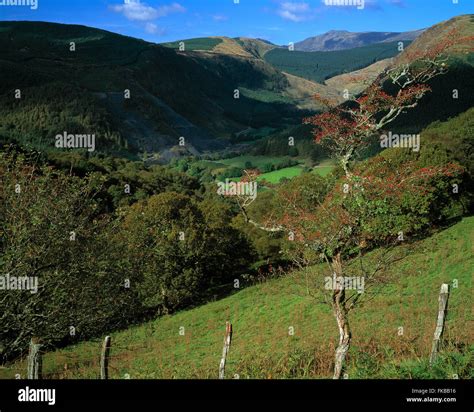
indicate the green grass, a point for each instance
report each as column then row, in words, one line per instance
column 268, row 96
column 274, row 177
column 262, row 315
column 277, row 175
column 291, row 172
column 202, row 43
column 323, row 170
column 260, row 162
column 324, row 167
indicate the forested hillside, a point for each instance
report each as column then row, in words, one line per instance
column 320, row 66
column 58, row 77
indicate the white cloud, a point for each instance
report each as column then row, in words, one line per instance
column 152, row 28
column 172, row 8
column 294, row 11
column 295, row 7
column 137, row 11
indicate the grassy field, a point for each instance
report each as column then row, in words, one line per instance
column 260, row 162
column 203, row 43
column 262, row 315
column 291, row 172
column 265, row 95
column 277, row 175
column 325, row 167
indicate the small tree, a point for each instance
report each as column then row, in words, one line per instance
column 181, row 250
column 376, row 206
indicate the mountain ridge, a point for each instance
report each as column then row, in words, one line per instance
column 334, row 40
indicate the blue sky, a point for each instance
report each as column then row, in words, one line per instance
column 280, row 21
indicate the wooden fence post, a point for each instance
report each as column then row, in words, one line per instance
column 35, row 361
column 225, row 351
column 443, row 303
column 104, row 358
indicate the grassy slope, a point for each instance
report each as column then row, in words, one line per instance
column 202, row 43
column 323, row 170
column 356, row 82
column 262, row 314
column 256, row 47
column 242, row 46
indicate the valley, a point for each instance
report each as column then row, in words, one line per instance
column 151, row 123
column 157, row 190
column 274, row 94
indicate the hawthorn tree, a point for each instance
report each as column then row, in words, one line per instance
column 378, row 206
column 376, row 203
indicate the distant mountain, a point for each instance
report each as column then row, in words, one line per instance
column 342, row 40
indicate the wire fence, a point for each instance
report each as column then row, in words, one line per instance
column 257, row 349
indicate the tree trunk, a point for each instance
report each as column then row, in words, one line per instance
column 340, row 313
column 345, row 162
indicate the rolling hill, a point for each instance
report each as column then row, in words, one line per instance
column 343, row 40
column 173, row 94
column 256, row 47
column 280, row 329
column 240, row 46
column 293, row 90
